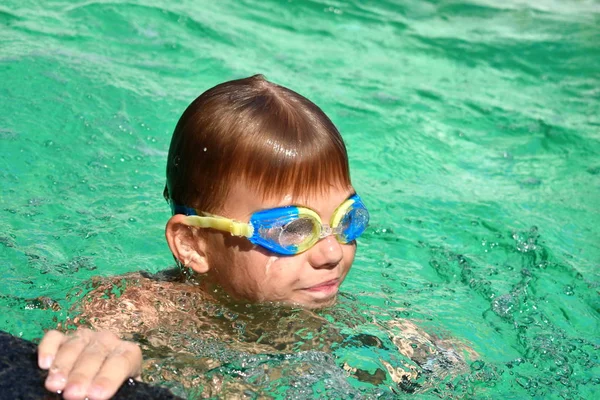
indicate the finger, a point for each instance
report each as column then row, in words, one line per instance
column 66, row 356
column 48, row 348
column 85, row 369
column 124, row 362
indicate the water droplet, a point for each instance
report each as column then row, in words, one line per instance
column 568, row 290
column 477, row 365
column 524, row 382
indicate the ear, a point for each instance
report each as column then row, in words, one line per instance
column 188, row 248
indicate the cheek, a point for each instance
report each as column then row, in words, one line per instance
column 227, row 264
column 280, row 271
column 261, row 267
column 349, row 253
column 270, row 261
column 262, row 277
column 282, row 277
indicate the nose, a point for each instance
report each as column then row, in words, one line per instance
column 327, row 253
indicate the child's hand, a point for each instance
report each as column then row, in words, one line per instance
column 88, row 364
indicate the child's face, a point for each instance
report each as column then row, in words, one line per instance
column 250, row 272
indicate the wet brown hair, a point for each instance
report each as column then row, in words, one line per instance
column 254, row 132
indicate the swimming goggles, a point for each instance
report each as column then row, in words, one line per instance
column 287, row 230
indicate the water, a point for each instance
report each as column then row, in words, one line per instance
column 473, row 132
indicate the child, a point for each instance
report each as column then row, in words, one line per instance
column 263, row 212
column 272, row 166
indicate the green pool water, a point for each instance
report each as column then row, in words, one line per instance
column 473, row 129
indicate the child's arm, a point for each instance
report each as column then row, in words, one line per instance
column 434, row 356
column 86, row 363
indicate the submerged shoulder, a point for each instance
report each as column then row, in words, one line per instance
column 433, row 358
column 134, row 302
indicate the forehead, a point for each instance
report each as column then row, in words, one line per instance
column 243, row 200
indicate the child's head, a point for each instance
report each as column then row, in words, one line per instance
column 249, row 145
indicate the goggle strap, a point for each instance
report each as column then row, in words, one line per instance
column 221, row 224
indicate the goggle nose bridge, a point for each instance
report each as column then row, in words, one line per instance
column 327, row 230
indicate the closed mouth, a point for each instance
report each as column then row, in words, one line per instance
column 329, row 286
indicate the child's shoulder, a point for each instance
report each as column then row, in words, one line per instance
column 435, row 358
column 135, row 302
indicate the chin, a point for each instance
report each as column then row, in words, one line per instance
column 315, row 304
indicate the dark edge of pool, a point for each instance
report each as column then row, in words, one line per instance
column 20, row 377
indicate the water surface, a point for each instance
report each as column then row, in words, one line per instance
column 473, row 132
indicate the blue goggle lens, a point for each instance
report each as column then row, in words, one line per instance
column 353, row 224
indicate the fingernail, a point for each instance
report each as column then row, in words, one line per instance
column 96, row 392
column 73, row 391
column 55, row 382
column 45, row 362
column 56, row 378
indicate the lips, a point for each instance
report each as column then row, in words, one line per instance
column 330, row 286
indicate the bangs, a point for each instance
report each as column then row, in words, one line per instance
column 277, row 168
